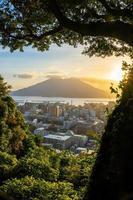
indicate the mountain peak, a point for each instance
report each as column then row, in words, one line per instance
column 59, row 87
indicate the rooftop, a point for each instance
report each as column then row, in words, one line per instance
column 57, row 137
column 39, row 129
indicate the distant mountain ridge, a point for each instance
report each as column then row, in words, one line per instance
column 57, row 87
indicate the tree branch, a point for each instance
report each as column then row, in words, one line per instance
column 34, row 36
column 115, row 29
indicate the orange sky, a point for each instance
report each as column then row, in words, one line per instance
column 24, row 69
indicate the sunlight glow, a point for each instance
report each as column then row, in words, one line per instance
column 116, row 74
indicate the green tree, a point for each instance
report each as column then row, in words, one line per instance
column 37, row 168
column 4, row 87
column 76, row 169
column 7, row 164
column 36, row 189
column 14, row 133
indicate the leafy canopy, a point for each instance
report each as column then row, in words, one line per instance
column 15, row 136
column 104, row 27
column 45, row 174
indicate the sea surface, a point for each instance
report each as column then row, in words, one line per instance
column 72, row 101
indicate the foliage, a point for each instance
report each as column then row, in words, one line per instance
column 45, row 174
column 104, row 27
column 124, row 90
column 7, row 165
column 14, row 133
column 36, row 189
column 76, row 169
column 93, row 135
column 37, row 168
column 4, row 87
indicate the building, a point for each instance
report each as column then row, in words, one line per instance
column 80, row 140
column 39, row 131
column 59, row 141
column 66, row 140
column 81, row 127
column 67, row 124
column 54, row 110
column 92, row 114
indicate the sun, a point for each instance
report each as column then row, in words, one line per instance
column 116, row 73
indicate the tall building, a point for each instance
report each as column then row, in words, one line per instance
column 54, row 110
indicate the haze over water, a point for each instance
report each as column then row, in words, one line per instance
column 72, row 101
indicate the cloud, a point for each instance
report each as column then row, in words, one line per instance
column 49, row 76
column 36, row 75
column 23, row 76
column 54, row 72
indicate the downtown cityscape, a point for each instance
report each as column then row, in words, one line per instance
column 65, row 126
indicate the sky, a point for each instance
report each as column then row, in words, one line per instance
column 22, row 69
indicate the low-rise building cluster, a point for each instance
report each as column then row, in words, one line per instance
column 66, row 126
